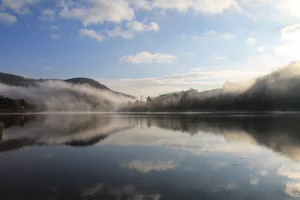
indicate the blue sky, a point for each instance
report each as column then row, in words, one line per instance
column 148, row 47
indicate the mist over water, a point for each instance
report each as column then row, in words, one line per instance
column 62, row 96
column 275, row 91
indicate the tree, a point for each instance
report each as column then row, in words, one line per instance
column 149, row 100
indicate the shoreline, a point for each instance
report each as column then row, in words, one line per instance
column 157, row 113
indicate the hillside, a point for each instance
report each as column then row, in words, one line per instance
column 279, row 90
column 15, row 80
column 88, row 81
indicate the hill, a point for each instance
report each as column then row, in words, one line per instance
column 279, row 90
column 88, row 81
column 15, row 80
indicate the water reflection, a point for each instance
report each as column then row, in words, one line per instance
column 150, row 157
column 73, row 130
column 148, row 166
column 102, row 191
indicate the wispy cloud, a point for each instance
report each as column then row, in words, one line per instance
column 210, row 7
column 91, row 34
column 251, row 41
column 211, row 35
column 50, row 28
column 48, row 68
column 6, row 18
column 216, row 35
column 131, row 29
column 98, row 12
column 55, row 36
column 146, row 57
column 47, row 15
column 19, row 6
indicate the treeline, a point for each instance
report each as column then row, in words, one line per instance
column 10, row 105
column 278, row 91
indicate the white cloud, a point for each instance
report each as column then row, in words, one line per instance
column 6, row 18
column 291, row 33
column 146, row 57
column 138, row 26
column 91, row 34
column 274, row 10
column 132, row 28
column 200, row 6
column 55, row 36
column 47, row 15
column 288, row 51
column 290, row 43
column 215, row 35
column 119, row 32
column 289, row 7
column 251, row 41
column 19, row 6
column 98, row 11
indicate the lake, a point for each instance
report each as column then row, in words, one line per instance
column 150, row 157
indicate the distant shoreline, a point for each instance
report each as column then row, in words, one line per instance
column 156, row 113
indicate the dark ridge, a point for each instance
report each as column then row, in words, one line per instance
column 15, row 80
column 91, row 82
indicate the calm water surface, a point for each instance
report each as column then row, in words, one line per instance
column 150, row 157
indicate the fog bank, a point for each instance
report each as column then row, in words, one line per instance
column 62, row 96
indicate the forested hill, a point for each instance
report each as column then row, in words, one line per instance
column 15, row 80
column 88, row 81
column 277, row 91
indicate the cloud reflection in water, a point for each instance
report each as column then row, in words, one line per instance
column 213, row 156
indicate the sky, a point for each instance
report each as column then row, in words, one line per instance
column 149, row 47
